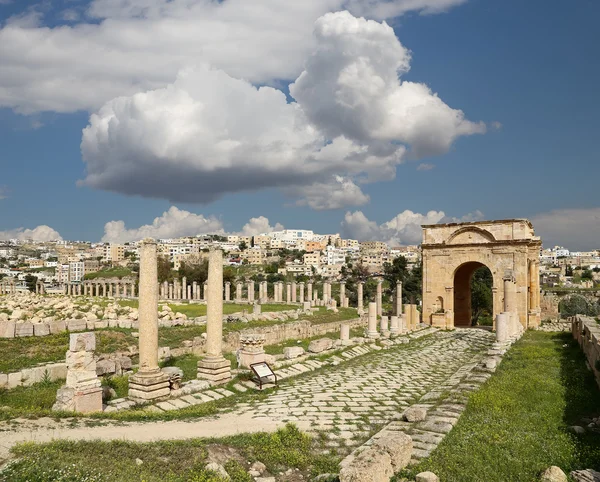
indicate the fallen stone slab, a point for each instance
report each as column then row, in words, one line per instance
column 23, row 329
column 320, row 345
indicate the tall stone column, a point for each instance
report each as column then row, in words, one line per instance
column 372, row 328
column 170, row 295
column 149, row 382
column 360, row 296
column 325, row 292
column 37, row 288
column 227, row 291
column 342, row 293
column 251, row 291
column 394, row 325
column 288, row 293
column 398, row 299
column 378, row 299
column 309, row 291
column 184, row 289
column 294, row 290
column 502, row 326
column 194, row 290
column 214, row 367
column 205, row 291
column 301, row 293
column 238, row 291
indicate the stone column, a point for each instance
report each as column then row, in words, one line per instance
column 205, row 292
column 309, row 291
column 372, row 329
column 360, row 296
column 110, row 289
column 184, row 289
column 394, row 325
column 149, row 382
column 342, row 294
column 288, row 295
column 325, row 292
column 510, row 300
column 227, row 291
column 502, row 327
column 189, row 292
column 301, row 293
column 384, row 326
column 379, row 297
column 398, row 304
column 37, row 288
column 214, row 367
column 79, row 289
column 238, row 291
column 252, row 350
column 194, row 290
column 251, row 291
column 294, row 288
column 408, row 317
column 170, row 296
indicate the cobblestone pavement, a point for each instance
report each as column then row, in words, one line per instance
column 346, row 403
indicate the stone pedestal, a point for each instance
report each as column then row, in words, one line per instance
column 372, row 328
column 82, row 391
column 379, row 297
column 345, row 334
column 216, row 370
column 251, row 351
column 360, row 298
column 149, row 386
column 384, row 326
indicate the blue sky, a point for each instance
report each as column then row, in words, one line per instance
column 529, row 70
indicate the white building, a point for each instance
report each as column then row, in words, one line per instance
column 335, row 255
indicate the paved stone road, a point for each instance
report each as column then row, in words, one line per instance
column 371, row 390
column 344, row 403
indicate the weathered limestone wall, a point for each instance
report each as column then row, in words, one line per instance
column 288, row 331
column 549, row 306
column 587, row 332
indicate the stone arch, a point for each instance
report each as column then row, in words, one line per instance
column 452, row 252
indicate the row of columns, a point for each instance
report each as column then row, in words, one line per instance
column 8, row 287
column 122, row 289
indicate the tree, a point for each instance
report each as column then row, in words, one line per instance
column 31, row 282
column 197, row 272
column 587, row 274
column 578, row 305
column 164, row 269
column 569, row 270
column 412, row 280
column 243, row 246
column 481, row 296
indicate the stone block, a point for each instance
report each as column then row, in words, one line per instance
column 398, row 446
column 320, row 345
column 90, row 325
column 371, row 465
column 125, row 362
column 99, row 325
column 76, row 325
column 23, row 329
column 41, row 329
column 553, row 474
column 57, row 371
column 291, row 352
column 57, row 326
column 14, row 380
column 124, row 324
column 415, row 414
column 3, row 380
column 89, row 400
column 428, row 477
column 82, row 341
column 7, row 329
column 104, row 367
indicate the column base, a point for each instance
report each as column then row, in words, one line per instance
column 372, row 334
column 216, row 370
column 149, row 386
column 534, row 319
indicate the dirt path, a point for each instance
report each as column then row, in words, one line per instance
column 46, row 430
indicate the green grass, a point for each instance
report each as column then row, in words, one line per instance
column 193, row 310
column 277, row 349
column 116, row 272
column 328, row 316
column 515, row 426
column 169, row 461
column 187, row 363
column 40, row 396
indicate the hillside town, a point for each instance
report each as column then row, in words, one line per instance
column 288, row 253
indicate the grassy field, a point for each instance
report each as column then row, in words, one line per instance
column 515, row 426
column 195, row 310
column 168, row 461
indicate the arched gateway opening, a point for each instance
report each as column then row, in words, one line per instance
column 473, row 301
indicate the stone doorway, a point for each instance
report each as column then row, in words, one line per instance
column 463, row 278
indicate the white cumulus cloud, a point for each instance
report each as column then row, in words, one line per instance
column 210, row 133
column 173, row 223
column 576, row 229
column 259, row 225
column 123, row 46
column 404, row 228
column 41, row 233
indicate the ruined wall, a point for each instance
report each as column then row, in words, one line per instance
column 587, row 332
column 549, row 306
